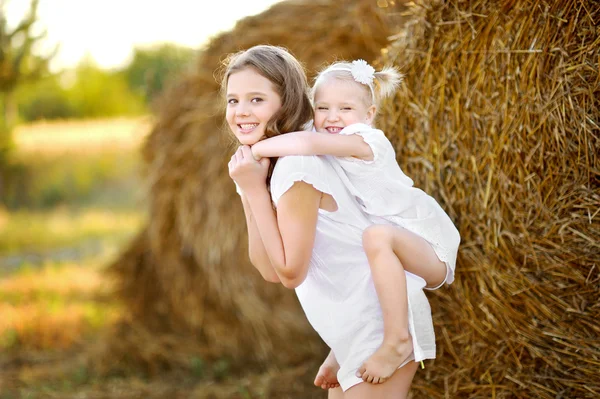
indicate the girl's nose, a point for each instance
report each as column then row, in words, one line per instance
column 332, row 116
column 242, row 109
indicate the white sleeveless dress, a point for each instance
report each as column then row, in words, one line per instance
column 387, row 195
column 338, row 295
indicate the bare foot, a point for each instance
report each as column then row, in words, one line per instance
column 385, row 361
column 327, row 375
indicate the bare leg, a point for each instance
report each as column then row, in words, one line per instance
column 327, row 375
column 335, row 393
column 392, row 250
column 396, row 387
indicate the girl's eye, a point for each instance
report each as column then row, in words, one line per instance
column 322, row 108
column 257, row 100
column 346, row 109
column 232, row 101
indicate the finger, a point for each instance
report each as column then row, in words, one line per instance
column 238, row 156
column 247, row 152
column 233, row 162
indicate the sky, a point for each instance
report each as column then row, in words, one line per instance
column 108, row 30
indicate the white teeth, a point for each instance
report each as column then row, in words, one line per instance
column 246, row 126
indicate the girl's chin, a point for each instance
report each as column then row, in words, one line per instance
column 250, row 139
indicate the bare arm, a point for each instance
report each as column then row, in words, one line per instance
column 256, row 249
column 289, row 235
column 313, row 143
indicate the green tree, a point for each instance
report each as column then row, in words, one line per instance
column 45, row 99
column 99, row 93
column 18, row 65
column 151, row 69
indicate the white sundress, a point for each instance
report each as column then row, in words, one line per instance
column 387, row 195
column 338, row 295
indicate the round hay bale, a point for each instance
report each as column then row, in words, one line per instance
column 186, row 280
column 498, row 119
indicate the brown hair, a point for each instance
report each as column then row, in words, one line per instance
column 289, row 81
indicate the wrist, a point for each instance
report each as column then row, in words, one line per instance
column 255, row 154
column 255, row 189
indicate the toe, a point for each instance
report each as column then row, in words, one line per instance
column 361, row 372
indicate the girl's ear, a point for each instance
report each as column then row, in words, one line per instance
column 371, row 115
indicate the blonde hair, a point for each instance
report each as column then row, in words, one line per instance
column 384, row 83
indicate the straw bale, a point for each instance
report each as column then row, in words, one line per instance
column 498, row 119
column 186, row 279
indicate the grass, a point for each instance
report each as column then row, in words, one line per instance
column 90, row 136
column 40, row 231
column 74, row 201
column 55, row 307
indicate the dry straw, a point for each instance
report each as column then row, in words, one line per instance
column 498, row 119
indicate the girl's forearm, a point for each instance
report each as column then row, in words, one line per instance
column 312, row 143
column 256, row 249
column 266, row 224
column 296, row 143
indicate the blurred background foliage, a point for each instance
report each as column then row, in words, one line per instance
column 88, row 91
column 30, row 92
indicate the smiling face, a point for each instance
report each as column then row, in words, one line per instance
column 340, row 103
column 251, row 103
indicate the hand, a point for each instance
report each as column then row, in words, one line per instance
column 247, row 172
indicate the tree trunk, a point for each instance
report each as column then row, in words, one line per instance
column 7, row 120
column 9, row 110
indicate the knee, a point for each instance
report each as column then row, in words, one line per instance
column 376, row 238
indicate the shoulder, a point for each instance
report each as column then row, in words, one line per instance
column 362, row 130
column 311, row 169
column 298, row 164
column 375, row 138
column 370, row 135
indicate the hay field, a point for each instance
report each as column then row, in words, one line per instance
column 51, row 137
column 55, row 298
